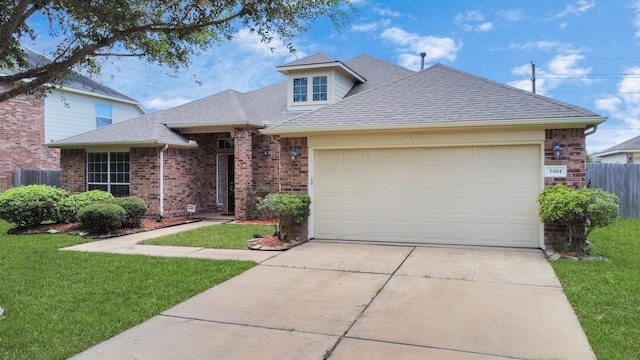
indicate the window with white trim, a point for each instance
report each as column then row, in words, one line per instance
column 317, row 92
column 108, row 171
column 319, row 88
column 300, row 89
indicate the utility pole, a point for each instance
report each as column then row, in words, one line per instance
column 533, row 77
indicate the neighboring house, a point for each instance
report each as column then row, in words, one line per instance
column 29, row 122
column 386, row 154
column 627, row 152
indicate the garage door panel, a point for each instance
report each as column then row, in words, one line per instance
column 459, row 195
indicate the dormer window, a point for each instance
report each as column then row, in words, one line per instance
column 319, row 90
column 300, row 89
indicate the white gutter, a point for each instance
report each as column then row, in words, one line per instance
column 161, row 210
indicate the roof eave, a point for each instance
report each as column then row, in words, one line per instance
column 132, row 143
column 545, row 123
column 286, row 69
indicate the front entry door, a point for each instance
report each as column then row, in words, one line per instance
column 231, row 199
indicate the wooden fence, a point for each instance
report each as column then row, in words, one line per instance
column 29, row 177
column 621, row 179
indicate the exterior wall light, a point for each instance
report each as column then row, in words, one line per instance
column 557, row 149
column 265, row 150
column 295, row 152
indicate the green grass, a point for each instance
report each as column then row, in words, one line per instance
column 606, row 294
column 59, row 303
column 222, row 236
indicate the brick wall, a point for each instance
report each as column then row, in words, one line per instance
column 573, row 155
column 294, row 176
column 22, row 138
column 73, row 165
column 263, row 170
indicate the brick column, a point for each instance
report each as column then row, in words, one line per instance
column 243, row 171
column 573, row 155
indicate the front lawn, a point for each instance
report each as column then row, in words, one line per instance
column 221, row 236
column 59, row 303
column 606, row 294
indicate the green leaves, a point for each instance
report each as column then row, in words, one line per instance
column 162, row 32
column 28, row 206
column 287, row 209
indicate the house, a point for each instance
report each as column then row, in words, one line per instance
column 386, row 154
column 627, row 152
column 28, row 122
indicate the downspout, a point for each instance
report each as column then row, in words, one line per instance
column 594, row 128
column 161, row 210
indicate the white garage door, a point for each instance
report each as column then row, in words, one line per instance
column 482, row 195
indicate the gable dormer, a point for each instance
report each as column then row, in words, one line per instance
column 317, row 80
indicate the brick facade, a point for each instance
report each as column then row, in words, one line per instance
column 190, row 174
column 573, row 155
column 22, row 138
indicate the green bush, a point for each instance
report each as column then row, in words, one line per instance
column 30, row 205
column 135, row 208
column 102, row 218
column 69, row 207
column 287, row 209
column 581, row 210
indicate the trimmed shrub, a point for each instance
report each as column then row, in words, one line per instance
column 30, row 205
column 135, row 208
column 581, row 210
column 287, row 209
column 69, row 207
column 102, row 218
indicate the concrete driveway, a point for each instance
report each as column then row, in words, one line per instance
column 358, row 301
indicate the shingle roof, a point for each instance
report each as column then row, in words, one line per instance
column 74, row 80
column 631, row 145
column 438, row 95
column 140, row 130
column 265, row 106
column 318, row 58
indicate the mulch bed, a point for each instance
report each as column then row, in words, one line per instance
column 74, row 228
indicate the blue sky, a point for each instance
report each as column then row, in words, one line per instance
column 586, row 53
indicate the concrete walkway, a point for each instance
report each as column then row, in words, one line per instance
column 128, row 244
column 359, row 301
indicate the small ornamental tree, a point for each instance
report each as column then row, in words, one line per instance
column 581, row 210
column 286, row 209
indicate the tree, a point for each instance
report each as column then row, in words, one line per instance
column 156, row 31
column 581, row 210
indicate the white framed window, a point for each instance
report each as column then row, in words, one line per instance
column 319, row 88
column 300, row 89
column 104, row 115
column 108, row 171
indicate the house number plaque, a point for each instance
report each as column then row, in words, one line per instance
column 555, row 171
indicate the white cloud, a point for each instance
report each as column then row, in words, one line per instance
column 161, row 104
column 473, row 20
column 243, row 64
column 371, row 26
column 541, row 45
column 623, row 110
column 579, row 7
column 410, row 45
column 563, row 68
column 511, row 15
column 386, row 12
